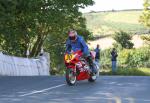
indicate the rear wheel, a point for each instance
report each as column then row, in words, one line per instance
column 70, row 77
column 92, row 78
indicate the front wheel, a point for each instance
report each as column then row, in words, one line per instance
column 70, row 77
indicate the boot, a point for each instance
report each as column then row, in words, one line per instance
column 91, row 64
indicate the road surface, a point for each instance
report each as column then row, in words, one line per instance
column 53, row 89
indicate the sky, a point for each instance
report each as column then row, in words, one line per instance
column 104, row 5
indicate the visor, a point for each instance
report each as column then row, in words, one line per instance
column 72, row 37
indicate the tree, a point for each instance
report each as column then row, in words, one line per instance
column 145, row 17
column 26, row 24
column 146, row 38
column 123, row 39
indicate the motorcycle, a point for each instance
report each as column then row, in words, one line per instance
column 77, row 68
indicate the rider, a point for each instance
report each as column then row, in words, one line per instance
column 76, row 42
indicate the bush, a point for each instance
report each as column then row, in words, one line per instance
column 134, row 57
column 123, row 39
column 85, row 33
column 123, row 57
column 105, row 59
column 146, row 38
column 117, row 46
column 127, row 58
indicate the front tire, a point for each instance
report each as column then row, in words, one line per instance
column 70, row 77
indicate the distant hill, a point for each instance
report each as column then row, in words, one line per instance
column 103, row 22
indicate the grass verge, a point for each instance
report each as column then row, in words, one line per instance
column 127, row 72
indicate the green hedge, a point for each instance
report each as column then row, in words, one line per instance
column 134, row 57
column 127, row 58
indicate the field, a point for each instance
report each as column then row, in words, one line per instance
column 104, row 24
column 101, row 23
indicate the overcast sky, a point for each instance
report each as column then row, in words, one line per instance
column 103, row 5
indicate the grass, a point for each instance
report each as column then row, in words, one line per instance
column 109, row 22
column 128, row 72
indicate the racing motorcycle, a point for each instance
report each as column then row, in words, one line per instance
column 77, row 68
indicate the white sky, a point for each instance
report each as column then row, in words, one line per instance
column 102, row 5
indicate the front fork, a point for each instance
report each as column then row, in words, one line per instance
column 72, row 69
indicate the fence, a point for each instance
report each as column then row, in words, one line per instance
column 18, row 66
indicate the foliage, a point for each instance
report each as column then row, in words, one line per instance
column 85, row 33
column 127, row 58
column 26, row 24
column 117, row 46
column 145, row 17
column 32, row 25
column 105, row 60
column 146, row 38
column 129, row 62
column 135, row 58
column 123, row 39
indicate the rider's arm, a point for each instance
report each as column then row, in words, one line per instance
column 68, row 46
column 85, row 47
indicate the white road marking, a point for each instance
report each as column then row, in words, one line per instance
column 40, row 91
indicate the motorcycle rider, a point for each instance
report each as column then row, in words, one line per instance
column 76, row 42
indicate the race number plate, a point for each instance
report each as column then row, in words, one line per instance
column 69, row 57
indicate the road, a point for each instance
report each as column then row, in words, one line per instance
column 53, row 89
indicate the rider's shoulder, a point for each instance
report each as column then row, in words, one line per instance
column 80, row 38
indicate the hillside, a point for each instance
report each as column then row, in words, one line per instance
column 104, row 23
column 101, row 23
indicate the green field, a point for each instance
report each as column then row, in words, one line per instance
column 108, row 22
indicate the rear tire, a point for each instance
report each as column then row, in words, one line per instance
column 70, row 77
column 92, row 78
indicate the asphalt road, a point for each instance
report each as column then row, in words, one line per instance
column 53, row 89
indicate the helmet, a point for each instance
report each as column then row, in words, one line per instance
column 72, row 35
